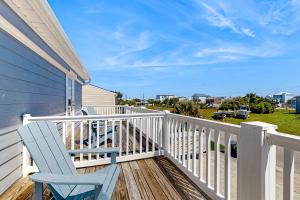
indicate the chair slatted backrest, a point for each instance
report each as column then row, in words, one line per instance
column 45, row 146
column 91, row 110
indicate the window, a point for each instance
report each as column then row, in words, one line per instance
column 70, row 96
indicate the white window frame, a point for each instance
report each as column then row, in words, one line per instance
column 68, row 77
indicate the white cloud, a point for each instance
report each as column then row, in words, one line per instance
column 233, row 52
column 218, row 19
column 248, row 32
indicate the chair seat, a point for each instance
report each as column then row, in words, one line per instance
column 88, row 190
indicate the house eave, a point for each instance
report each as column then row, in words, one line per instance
column 38, row 15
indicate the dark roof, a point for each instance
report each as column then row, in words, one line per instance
column 100, row 88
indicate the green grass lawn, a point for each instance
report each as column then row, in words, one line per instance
column 287, row 121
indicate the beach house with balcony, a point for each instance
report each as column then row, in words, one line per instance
column 160, row 155
column 282, row 97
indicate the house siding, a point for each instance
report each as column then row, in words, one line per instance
column 14, row 19
column 94, row 96
column 28, row 84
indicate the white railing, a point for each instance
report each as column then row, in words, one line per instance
column 96, row 131
column 189, row 145
column 110, row 109
column 291, row 145
column 202, row 149
column 141, row 109
column 121, row 109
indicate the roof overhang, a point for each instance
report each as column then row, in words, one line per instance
column 39, row 16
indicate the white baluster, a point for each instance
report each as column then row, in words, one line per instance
column 176, row 138
column 288, row 174
column 188, row 146
column 141, row 135
column 98, row 136
column 105, row 135
column 147, row 134
column 227, row 166
column 113, row 134
column 134, row 135
column 72, row 137
column 81, row 140
column 217, row 161
column 194, row 139
column 153, row 134
column 120, row 137
column 200, row 149
column 90, row 140
column 208, row 157
column 127, row 137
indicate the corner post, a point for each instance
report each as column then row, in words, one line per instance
column 26, row 157
column 126, row 107
column 256, row 165
column 165, row 133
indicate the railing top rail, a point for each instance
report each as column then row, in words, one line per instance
column 143, row 109
column 288, row 141
column 108, row 106
column 229, row 128
column 94, row 117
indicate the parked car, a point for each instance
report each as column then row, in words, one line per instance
column 229, row 113
column 219, row 115
column 242, row 114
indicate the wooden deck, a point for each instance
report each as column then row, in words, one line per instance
column 155, row 178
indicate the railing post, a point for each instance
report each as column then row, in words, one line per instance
column 165, row 133
column 256, row 165
column 26, row 157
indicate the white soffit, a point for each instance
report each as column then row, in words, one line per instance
column 39, row 16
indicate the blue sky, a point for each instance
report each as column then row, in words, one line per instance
column 218, row 47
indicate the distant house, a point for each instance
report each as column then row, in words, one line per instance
column 293, row 102
column 96, row 96
column 282, row 97
column 298, row 105
column 202, row 98
column 161, row 97
column 182, row 98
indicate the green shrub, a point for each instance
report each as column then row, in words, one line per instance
column 187, row 108
column 262, row 108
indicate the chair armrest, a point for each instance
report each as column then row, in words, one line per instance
column 59, row 179
column 95, row 150
column 112, row 151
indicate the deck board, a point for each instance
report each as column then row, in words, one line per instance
column 153, row 178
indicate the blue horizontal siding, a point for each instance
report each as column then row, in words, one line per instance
column 24, row 55
column 28, row 84
column 14, row 19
